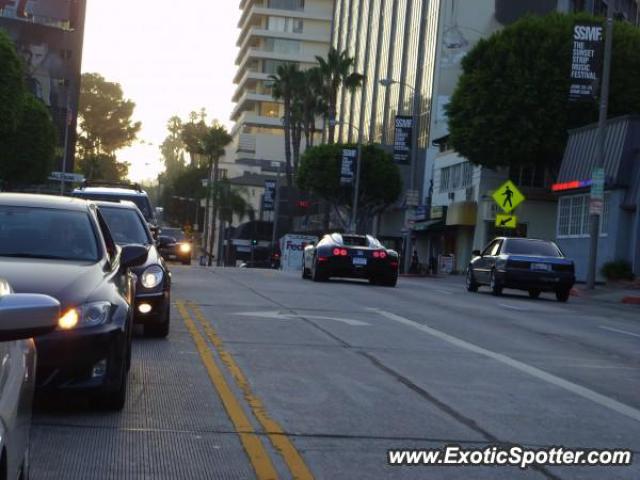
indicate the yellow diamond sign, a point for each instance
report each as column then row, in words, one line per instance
column 506, row 221
column 508, row 197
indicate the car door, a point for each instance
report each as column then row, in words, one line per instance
column 483, row 265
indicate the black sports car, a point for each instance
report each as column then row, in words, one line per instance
column 352, row 256
column 173, row 244
column 62, row 247
column 153, row 289
column 523, row 264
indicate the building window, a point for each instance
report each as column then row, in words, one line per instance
column 285, row 24
column 573, row 216
column 279, row 45
column 286, row 4
column 271, row 66
column 456, row 177
column 270, row 109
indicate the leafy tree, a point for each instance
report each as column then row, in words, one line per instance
column 511, row 104
column 11, row 85
column 336, row 72
column 380, row 181
column 103, row 166
column 173, row 148
column 27, row 155
column 192, row 134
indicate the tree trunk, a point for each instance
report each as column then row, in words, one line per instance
column 214, row 215
column 296, row 142
column 287, row 140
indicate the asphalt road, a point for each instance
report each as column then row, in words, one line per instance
column 265, row 375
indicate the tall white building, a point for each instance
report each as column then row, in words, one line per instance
column 272, row 33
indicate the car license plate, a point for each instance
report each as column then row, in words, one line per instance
column 541, row 266
column 359, row 261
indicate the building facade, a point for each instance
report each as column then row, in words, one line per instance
column 272, row 33
column 49, row 34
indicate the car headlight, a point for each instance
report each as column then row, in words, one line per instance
column 185, row 248
column 87, row 315
column 152, row 277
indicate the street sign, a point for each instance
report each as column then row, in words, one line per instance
column 506, row 221
column 269, row 196
column 349, row 157
column 413, row 198
column 596, row 206
column 402, row 142
column 67, row 177
column 508, row 197
column 586, row 61
column 597, row 183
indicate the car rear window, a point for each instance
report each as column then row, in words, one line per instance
column 141, row 202
column 354, row 241
column 531, row 247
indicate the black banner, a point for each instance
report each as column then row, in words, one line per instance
column 586, row 61
column 347, row 170
column 269, row 196
column 402, row 142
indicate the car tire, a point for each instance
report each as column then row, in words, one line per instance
column 390, row 281
column 496, row 288
column 114, row 400
column 305, row 272
column 563, row 295
column 159, row 330
column 24, row 470
column 472, row 285
column 316, row 276
column 534, row 293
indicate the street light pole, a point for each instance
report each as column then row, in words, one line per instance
column 356, row 189
column 602, row 136
column 386, row 82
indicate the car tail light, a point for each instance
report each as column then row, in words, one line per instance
column 337, row 252
column 380, row 254
column 322, row 259
column 343, row 253
column 394, row 264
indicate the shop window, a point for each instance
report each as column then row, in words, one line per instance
column 574, row 219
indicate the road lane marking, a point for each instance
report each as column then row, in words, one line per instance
column 513, row 307
column 252, row 444
column 275, row 432
column 291, row 316
column 579, row 390
column 623, row 332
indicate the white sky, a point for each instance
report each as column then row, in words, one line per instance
column 170, row 56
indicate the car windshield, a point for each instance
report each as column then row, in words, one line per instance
column 531, row 247
column 125, row 225
column 29, row 232
column 173, row 233
column 141, row 201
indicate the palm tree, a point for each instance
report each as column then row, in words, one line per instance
column 284, row 83
column 337, row 72
column 232, row 203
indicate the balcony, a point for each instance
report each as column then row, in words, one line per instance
column 253, row 13
column 248, row 76
column 253, row 118
column 257, row 32
column 248, row 98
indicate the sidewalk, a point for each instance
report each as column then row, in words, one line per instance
column 615, row 292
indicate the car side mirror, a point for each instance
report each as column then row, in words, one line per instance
column 133, row 256
column 155, row 230
column 476, row 253
column 27, row 315
column 164, row 241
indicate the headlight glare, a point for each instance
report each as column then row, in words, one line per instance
column 152, row 277
column 87, row 315
column 185, row 248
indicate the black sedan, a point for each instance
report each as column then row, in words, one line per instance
column 523, row 264
column 153, row 288
column 173, row 244
column 61, row 247
column 350, row 256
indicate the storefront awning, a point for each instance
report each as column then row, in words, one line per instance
column 428, row 225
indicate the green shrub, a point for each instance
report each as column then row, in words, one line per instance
column 617, row 270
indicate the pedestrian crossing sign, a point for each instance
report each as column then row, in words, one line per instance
column 508, row 197
column 506, row 221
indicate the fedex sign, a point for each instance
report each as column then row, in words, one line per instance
column 292, row 248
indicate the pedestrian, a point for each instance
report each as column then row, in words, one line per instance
column 415, row 263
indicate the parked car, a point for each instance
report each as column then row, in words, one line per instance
column 173, row 244
column 153, row 284
column 22, row 316
column 351, row 256
column 523, row 264
column 62, row 247
column 116, row 191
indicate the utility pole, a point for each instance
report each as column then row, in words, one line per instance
column 276, row 213
column 68, row 121
column 356, row 190
column 601, row 140
column 214, row 208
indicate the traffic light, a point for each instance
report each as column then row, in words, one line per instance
column 254, row 243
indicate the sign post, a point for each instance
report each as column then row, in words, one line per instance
column 402, row 147
column 349, row 157
column 508, row 197
column 269, row 195
column 586, row 62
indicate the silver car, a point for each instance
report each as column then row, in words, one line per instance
column 22, row 316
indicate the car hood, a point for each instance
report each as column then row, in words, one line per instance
column 71, row 283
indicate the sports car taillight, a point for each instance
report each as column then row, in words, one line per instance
column 380, row 254
column 339, row 252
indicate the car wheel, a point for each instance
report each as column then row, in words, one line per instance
column 374, row 281
column 534, row 293
column 390, row 281
column 161, row 329
column 114, row 400
column 24, row 470
column 305, row 271
column 316, row 276
column 472, row 286
column 563, row 295
column 496, row 288
column 186, row 262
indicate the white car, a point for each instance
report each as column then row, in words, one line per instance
column 22, row 316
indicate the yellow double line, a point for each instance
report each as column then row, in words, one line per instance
column 250, row 440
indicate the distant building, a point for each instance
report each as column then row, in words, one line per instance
column 49, row 36
column 272, row 33
column 620, row 222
